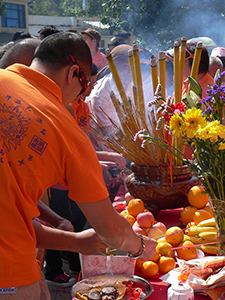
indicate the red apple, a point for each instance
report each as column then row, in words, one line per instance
column 145, row 219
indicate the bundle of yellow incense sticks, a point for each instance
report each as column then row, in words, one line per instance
column 133, row 117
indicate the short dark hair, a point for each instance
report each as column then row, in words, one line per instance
column 116, row 41
column 21, row 35
column 48, row 30
column 21, row 52
column 55, row 50
column 204, row 62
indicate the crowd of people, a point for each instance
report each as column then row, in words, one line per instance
column 50, row 87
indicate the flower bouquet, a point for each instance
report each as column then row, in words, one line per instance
column 198, row 123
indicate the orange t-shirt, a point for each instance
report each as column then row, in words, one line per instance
column 40, row 145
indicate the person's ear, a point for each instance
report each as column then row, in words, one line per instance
column 73, row 73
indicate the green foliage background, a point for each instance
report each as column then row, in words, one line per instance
column 155, row 23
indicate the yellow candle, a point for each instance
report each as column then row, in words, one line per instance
column 162, row 72
column 138, row 79
column 182, row 61
column 154, row 73
column 176, row 68
column 131, row 64
column 196, row 62
column 117, row 80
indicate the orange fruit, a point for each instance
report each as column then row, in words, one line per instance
column 155, row 257
column 163, row 248
column 166, row 264
column 138, row 264
column 124, row 212
column 135, row 207
column 201, row 215
column 130, row 219
column 208, row 209
column 149, row 268
column 171, row 253
column 174, row 235
column 187, row 214
column 196, row 197
column 186, row 238
column 187, row 253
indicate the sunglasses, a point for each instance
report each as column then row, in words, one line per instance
column 169, row 55
column 82, row 77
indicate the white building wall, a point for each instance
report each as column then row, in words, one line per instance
column 65, row 23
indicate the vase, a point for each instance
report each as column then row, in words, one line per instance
column 153, row 186
column 218, row 207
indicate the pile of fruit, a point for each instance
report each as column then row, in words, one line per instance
column 199, row 220
column 200, row 229
column 143, row 222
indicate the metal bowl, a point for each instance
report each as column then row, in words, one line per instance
column 103, row 279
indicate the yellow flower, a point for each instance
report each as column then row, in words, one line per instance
column 177, row 125
column 193, row 120
column 221, row 146
column 211, row 131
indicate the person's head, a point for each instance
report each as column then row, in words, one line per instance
column 21, row 35
column 214, row 64
column 92, row 37
column 46, row 31
column 66, row 59
column 21, row 52
column 115, row 41
column 124, row 35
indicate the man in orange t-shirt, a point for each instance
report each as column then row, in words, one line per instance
column 40, row 145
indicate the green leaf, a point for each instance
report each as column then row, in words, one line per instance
column 195, row 86
column 217, row 73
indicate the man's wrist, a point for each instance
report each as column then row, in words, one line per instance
column 140, row 252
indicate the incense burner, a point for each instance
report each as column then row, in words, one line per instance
column 154, row 187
